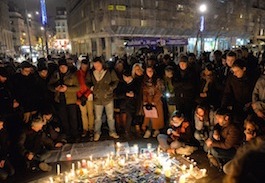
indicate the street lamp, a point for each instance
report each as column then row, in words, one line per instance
column 203, row 8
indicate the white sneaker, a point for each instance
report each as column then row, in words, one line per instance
column 96, row 136
column 114, row 135
column 156, row 133
column 147, row 134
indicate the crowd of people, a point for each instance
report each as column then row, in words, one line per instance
column 217, row 105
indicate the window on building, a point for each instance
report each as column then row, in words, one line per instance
column 93, row 26
column 63, row 24
column 58, row 30
column 58, row 23
column 63, row 30
column 142, row 4
column 156, row 4
column 261, row 33
column 64, row 36
column 180, row 7
column 113, row 22
column 143, row 23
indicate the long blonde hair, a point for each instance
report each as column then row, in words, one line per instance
column 133, row 68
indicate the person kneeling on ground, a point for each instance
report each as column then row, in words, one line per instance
column 251, row 132
column 6, row 169
column 179, row 133
column 32, row 148
column 226, row 138
column 54, row 138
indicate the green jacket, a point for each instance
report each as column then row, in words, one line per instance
column 103, row 89
column 70, row 80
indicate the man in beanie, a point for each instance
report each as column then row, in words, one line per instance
column 31, row 146
column 64, row 84
column 44, row 95
column 85, row 100
column 103, row 82
column 185, row 87
column 24, row 89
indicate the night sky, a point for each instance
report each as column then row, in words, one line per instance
column 34, row 5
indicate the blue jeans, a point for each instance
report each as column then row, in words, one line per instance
column 224, row 154
column 109, row 108
column 162, row 140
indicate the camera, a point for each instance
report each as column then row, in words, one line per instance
column 149, row 107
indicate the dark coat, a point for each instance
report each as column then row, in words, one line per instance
column 229, row 137
column 25, row 91
column 103, row 89
column 238, row 92
column 6, row 99
column 4, row 144
column 31, row 141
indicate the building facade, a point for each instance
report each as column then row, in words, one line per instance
column 6, row 35
column 18, row 29
column 62, row 37
column 110, row 27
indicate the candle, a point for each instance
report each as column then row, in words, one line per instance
column 191, row 167
column 182, row 179
column 90, row 157
column 84, row 163
column 126, row 156
column 167, row 173
column 79, row 165
column 51, row 180
column 66, row 179
column 58, row 169
column 149, row 146
column 203, row 172
column 118, row 144
column 73, row 167
column 68, row 157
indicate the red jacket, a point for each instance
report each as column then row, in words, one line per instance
column 84, row 89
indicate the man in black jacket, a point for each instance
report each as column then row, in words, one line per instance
column 24, row 89
column 32, row 148
column 6, row 169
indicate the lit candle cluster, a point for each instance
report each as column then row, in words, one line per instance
column 134, row 166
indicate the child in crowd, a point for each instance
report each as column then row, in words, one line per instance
column 204, row 122
column 178, row 135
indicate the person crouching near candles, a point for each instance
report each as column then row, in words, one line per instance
column 32, row 148
column 204, row 122
column 6, row 169
column 226, row 138
column 251, row 132
column 178, row 135
column 54, row 138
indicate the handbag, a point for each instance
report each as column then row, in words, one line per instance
column 150, row 111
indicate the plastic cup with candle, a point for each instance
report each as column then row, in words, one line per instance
column 58, row 169
column 149, row 146
column 69, row 157
column 83, row 163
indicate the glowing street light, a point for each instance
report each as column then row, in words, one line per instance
column 29, row 15
column 42, row 28
column 37, row 13
column 203, row 8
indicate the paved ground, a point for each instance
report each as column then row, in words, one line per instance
column 214, row 176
